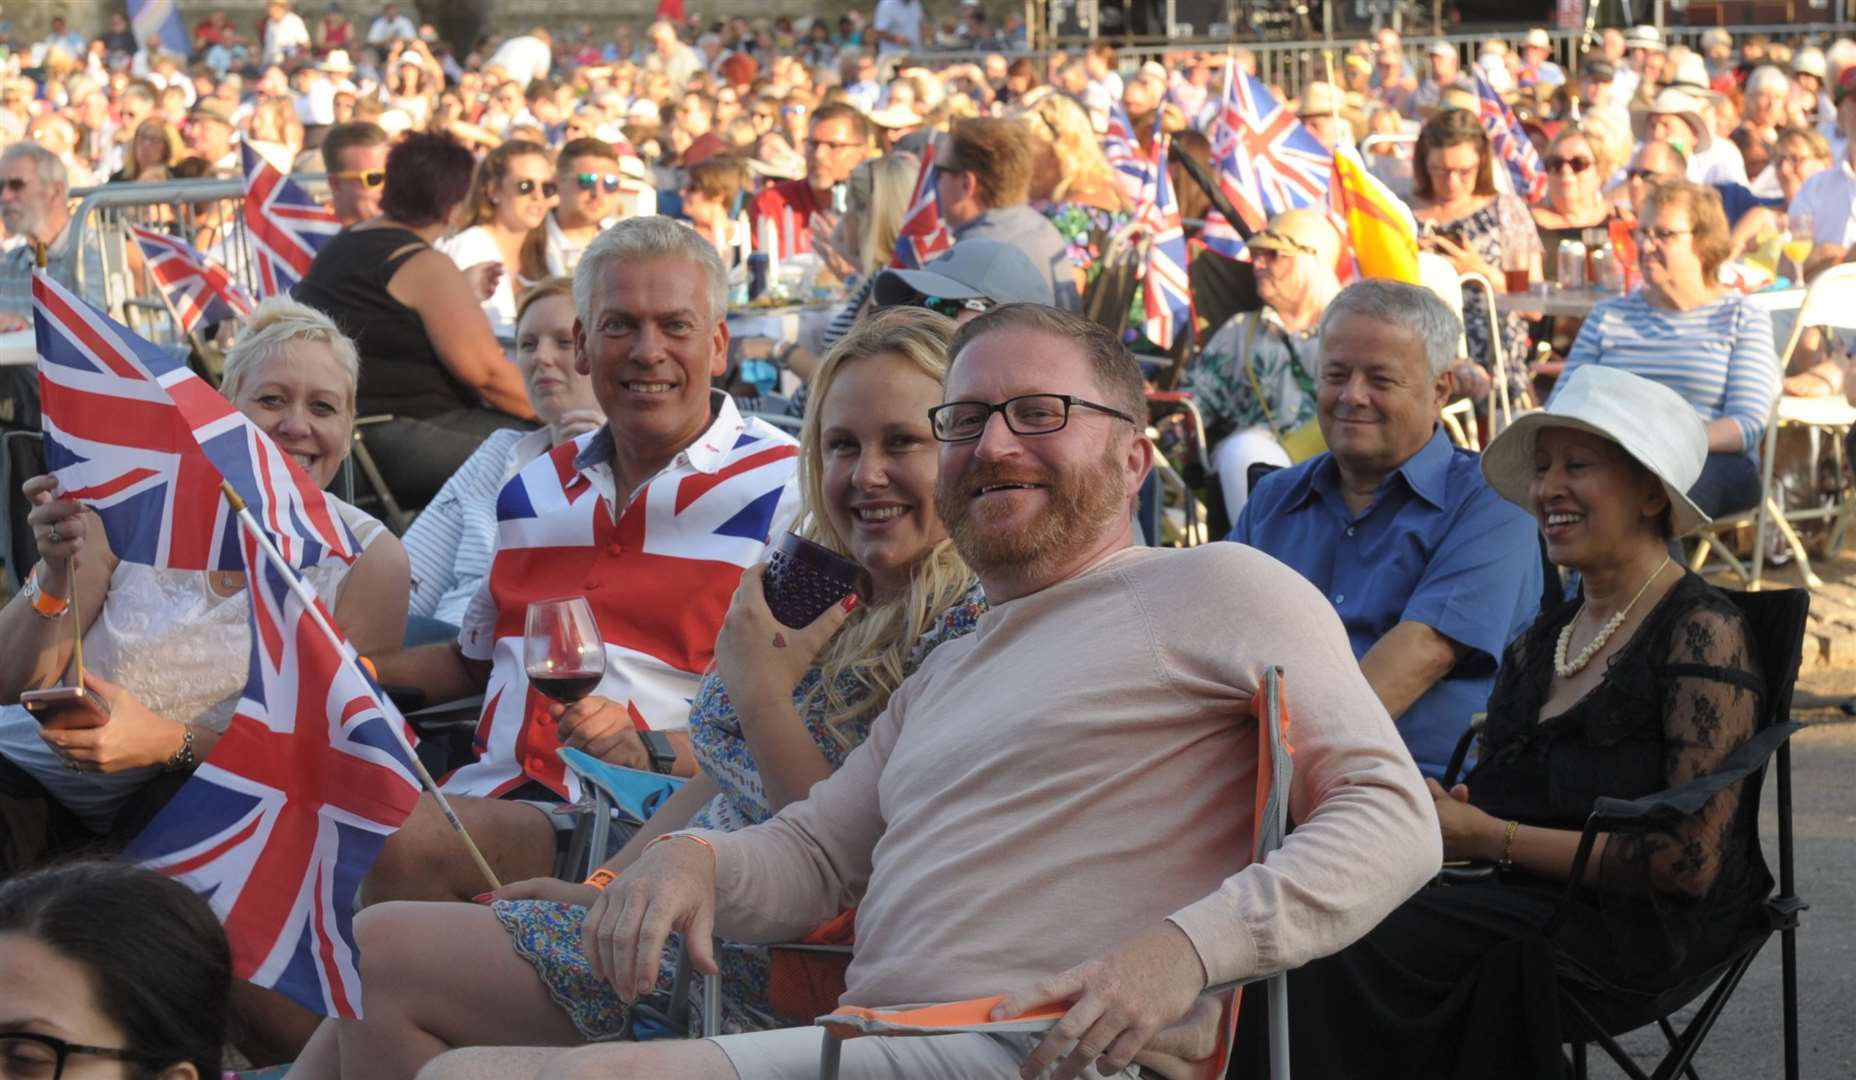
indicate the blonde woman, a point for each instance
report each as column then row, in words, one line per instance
column 767, row 724
column 864, row 241
column 153, row 152
column 1072, row 184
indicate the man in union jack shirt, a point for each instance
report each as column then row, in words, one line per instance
column 651, row 518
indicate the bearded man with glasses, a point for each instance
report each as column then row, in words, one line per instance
column 837, row 142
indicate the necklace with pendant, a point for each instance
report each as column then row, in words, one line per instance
column 1566, row 669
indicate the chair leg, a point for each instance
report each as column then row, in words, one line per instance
column 711, row 1005
column 1790, row 534
column 1578, row 1060
column 1669, row 1034
column 390, row 506
column 828, row 1056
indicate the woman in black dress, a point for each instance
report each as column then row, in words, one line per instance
column 1647, row 681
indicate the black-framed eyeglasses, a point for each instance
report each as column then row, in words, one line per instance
column 587, row 180
column 941, row 305
column 28, row 1055
column 549, row 189
column 1026, row 414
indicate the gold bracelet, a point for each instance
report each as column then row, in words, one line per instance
column 1507, row 859
column 600, row 878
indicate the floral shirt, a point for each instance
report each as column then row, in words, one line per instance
column 1284, row 362
column 722, row 749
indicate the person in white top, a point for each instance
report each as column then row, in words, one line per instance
column 390, row 25
column 525, row 57
column 897, row 26
column 669, row 55
column 510, row 197
column 284, row 32
column 1827, row 201
column 165, row 647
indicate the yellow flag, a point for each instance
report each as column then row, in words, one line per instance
column 1379, row 226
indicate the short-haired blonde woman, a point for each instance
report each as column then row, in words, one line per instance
column 166, row 648
column 769, row 722
column 1684, row 329
column 1072, row 184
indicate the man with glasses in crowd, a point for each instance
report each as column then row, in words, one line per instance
column 983, row 180
column 35, row 206
column 1057, row 807
column 839, row 141
column 355, row 157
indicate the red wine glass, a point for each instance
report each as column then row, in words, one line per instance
column 562, row 649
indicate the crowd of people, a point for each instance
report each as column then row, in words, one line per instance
column 1020, row 751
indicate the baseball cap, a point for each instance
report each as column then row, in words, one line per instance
column 1442, row 48
column 1536, row 39
column 970, row 270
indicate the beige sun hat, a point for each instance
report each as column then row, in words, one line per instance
column 1675, row 101
column 1652, row 423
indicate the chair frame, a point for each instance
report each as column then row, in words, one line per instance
column 1770, row 745
column 397, row 518
column 1499, row 397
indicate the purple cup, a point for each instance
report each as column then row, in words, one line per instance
column 802, row 580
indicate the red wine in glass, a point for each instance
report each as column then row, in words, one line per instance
column 562, row 649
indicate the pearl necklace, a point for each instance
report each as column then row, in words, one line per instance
column 1566, row 669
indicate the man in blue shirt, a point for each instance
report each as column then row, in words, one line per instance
column 1432, row 573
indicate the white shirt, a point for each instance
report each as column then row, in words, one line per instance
column 1830, row 200
column 1720, row 164
column 525, row 59
column 385, row 30
column 901, row 17
column 475, row 245
column 284, row 36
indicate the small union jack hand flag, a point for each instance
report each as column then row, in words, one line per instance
column 199, row 292
column 287, row 226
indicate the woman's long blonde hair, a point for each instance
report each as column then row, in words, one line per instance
column 874, row 644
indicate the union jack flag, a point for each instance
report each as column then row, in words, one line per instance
column 199, row 292
column 1267, row 161
column 280, row 823
column 1124, row 154
column 1509, row 143
column 658, row 573
column 923, row 234
column 1168, row 293
column 143, row 441
column 287, row 226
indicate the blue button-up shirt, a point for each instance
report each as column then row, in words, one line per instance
column 1437, row 546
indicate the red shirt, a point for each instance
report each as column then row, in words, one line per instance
column 774, row 202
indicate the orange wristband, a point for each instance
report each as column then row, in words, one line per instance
column 600, row 878
column 682, row 836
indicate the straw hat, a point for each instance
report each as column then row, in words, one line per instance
column 1675, row 101
column 1644, row 37
column 1647, row 420
column 1300, row 232
column 1320, row 98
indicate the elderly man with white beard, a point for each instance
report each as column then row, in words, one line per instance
column 1055, row 808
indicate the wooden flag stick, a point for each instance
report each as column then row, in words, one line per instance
column 70, row 567
column 315, row 613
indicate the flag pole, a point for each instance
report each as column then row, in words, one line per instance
column 70, row 563
column 308, row 597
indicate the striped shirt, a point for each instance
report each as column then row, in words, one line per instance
column 453, row 539
column 1718, row 356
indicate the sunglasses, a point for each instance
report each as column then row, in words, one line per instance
column 549, row 189
column 953, row 308
column 1642, row 174
column 1576, row 164
column 587, row 181
column 372, row 178
column 13, row 184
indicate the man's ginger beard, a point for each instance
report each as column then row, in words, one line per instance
column 1081, row 502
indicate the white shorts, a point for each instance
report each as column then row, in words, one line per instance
column 793, row 1054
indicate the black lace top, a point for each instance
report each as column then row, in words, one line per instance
column 1681, row 695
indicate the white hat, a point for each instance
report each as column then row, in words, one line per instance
column 1692, row 72
column 897, row 116
column 1811, row 62
column 1644, row 37
column 1536, row 39
column 1441, row 47
column 1675, row 101
column 1648, row 421
column 337, row 62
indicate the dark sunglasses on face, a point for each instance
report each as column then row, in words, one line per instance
column 372, row 178
column 527, row 187
column 13, row 184
column 1576, row 164
column 587, row 181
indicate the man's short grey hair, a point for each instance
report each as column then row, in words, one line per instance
column 653, row 237
column 1413, row 307
column 1767, row 77
column 50, row 169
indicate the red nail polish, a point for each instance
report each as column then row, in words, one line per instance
column 850, row 603
column 483, row 898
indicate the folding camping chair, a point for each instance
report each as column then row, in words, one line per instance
column 613, row 795
column 1275, row 773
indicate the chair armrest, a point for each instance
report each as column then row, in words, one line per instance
column 440, row 719
column 637, row 794
column 1667, row 807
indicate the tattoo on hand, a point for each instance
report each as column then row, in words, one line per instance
column 779, row 641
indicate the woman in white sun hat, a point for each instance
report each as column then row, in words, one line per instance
column 1645, row 682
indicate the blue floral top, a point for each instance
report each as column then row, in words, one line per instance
column 722, row 749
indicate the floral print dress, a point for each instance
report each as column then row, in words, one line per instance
column 1502, row 225
column 547, row 934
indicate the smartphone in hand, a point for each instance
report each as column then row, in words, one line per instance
column 63, row 708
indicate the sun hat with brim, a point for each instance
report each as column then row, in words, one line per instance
column 1675, row 101
column 1644, row 37
column 1300, row 232
column 970, row 270
column 1647, row 420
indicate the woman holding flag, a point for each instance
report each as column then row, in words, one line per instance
column 166, row 648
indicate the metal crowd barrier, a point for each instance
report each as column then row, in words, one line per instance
column 207, row 213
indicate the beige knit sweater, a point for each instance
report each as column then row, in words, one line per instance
column 1080, row 768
